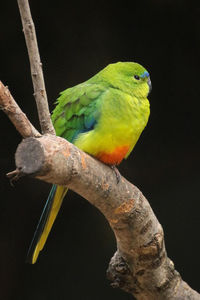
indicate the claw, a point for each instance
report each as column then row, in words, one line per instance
column 14, row 176
column 116, row 171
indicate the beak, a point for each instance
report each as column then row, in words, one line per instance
column 149, row 84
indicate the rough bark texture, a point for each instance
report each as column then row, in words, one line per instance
column 15, row 114
column 140, row 266
column 36, row 68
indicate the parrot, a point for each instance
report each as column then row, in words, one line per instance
column 104, row 117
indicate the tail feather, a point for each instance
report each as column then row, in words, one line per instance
column 46, row 221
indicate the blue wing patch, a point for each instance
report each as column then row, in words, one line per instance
column 89, row 124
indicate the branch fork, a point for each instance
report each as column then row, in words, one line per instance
column 140, row 265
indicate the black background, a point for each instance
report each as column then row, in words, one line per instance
column 76, row 40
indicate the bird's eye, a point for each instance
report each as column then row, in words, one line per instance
column 137, row 77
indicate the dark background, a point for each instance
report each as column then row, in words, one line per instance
column 76, row 40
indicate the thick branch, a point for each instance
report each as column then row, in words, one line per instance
column 140, row 265
column 36, row 68
column 13, row 111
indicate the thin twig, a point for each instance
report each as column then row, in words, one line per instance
column 15, row 114
column 36, row 68
column 140, row 265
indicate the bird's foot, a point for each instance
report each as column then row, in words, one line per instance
column 116, row 171
column 14, row 176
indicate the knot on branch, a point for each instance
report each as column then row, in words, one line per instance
column 121, row 276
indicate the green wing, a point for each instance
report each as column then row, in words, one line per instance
column 77, row 110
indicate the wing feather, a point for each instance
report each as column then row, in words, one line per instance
column 77, row 110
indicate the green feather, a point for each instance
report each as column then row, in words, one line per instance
column 102, row 116
column 75, row 108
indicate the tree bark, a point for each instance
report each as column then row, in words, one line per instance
column 140, row 266
column 15, row 114
column 36, row 68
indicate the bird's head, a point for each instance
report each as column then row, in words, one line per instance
column 129, row 77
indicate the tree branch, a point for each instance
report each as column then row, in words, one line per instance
column 140, row 266
column 15, row 114
column 36, row 68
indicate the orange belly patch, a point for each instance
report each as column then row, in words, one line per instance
column 115, row 157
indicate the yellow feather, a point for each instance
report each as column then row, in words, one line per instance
column 57, row 201
column 123, row 119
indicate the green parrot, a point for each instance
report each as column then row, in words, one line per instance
column 103, row 116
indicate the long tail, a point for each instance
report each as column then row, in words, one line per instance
column 46, row 221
